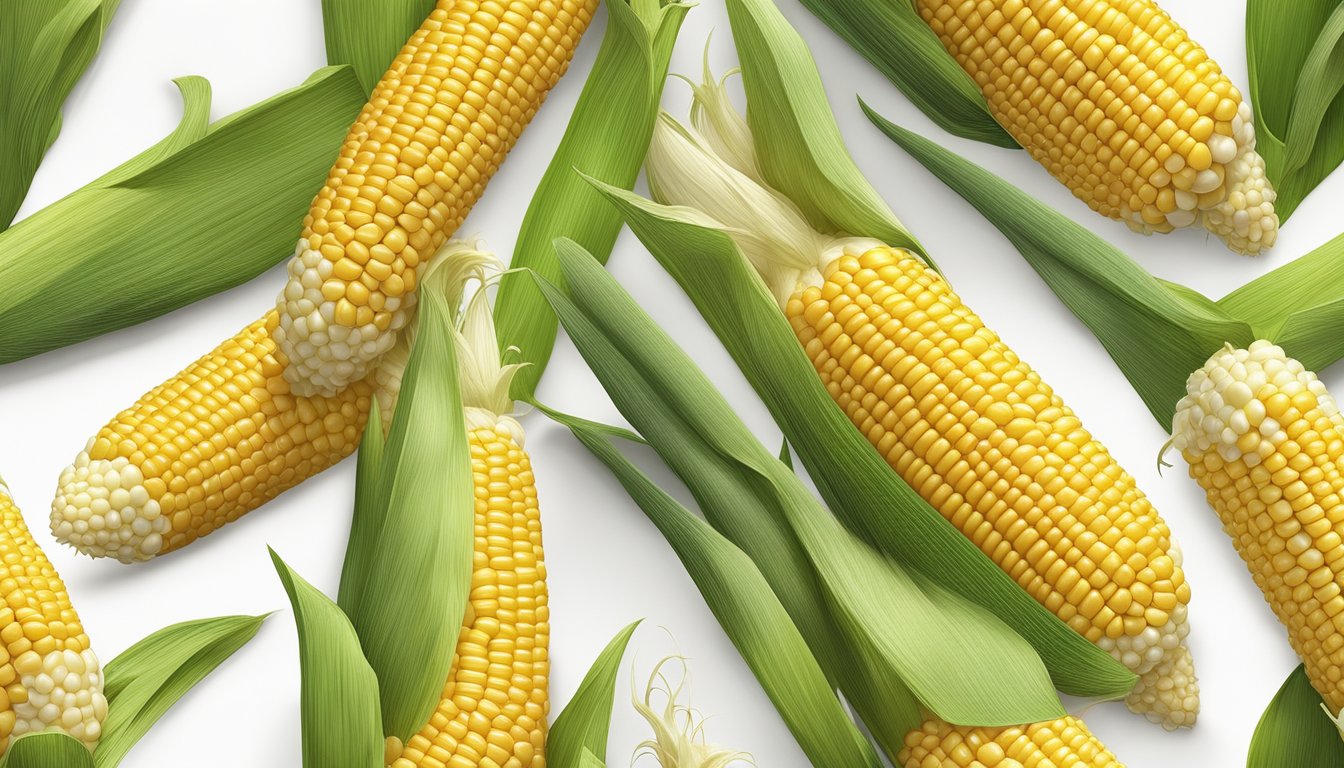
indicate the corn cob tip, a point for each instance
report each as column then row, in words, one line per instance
column 1168, row 694
column 1066, row 741
column 64, row 691
column 103, row 509
column 1245, row 217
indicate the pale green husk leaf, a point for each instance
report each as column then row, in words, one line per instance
column 749, row 613
column 607, row 137
column 339, row 691
column 147, row 679
column 580, row 731
column 45, row 46
column 661, row 392
column 409, row 596
column 1296, row 66
column 798, row 143
column 892, row 37
column 51, row 749
column 368, row 34
column 859, row 486
column 209, row 207
column 1294, row 732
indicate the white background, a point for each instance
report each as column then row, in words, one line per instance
column 607, row 565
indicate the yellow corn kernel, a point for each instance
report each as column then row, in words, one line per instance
column 216, row 441
column 1264, row 439
column 1118, row 104
column 494, row 706
column 51, row 676
column 976, row 432
column 437, row 127
column 1065, row 742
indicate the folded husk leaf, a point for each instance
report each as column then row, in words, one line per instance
column 1156, row 332
column 368, row 34
column 339, row 690
column 45, row 46
column 147, row 679
column 944, row 654
column 1294, row 732
column 368, row 512
column 580, row 731
column 1296, row 72
column 892, row 37
column 408, row 599
column 858, row 485
column 207, row 208
column 798, row 143
column 747, row 610
column 607, row 137
column 50, row 749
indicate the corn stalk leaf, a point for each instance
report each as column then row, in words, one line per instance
column 891, row 35
column 798, row 142
column 946, row 657
column 749, row 613
column 580, row 730
column 147, row 679
column 1294, row 732
column 339, row 693
column 1296, row 66
column 607, row 137
column 199, row 212
column 858, row 485
column 45, row 46
column 368, row 34
column 52, row 749
column 1157, row 334
column 408, row 604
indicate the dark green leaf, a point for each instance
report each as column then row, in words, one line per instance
column 1295, row 732
column 607, row 137
column 339, row 699
column 368, row 34
column 580, row 730
column 180, row 222
column 52, row 749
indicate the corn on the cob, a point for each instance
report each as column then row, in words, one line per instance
column 1064, row 743
column 1116, row 101
column 49, row 676
column 966, row 423
column 1264, row 439
column 288, row 396
column 438, row 125
column 494, row 706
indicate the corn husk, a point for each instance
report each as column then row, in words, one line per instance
column 339, row 690
column 607, row 137
column 49, row 749
column 1294, row 731
column 1296, row 74
column 369, row 35
column 579, row 733
column 45, row 46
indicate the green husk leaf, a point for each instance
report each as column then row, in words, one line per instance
column 368, row 514
column 368, row 34
column 607, row 137
column 1300, row 306
column 580, row 730
column 589, row 760
column 45, row 46
column 147, row 679
column 1295, row 732
column 945, row 657
column 51, row 749
column 162, row 234
column 893, row 38
column 798, row 143
column 1296, row 73
column 855, row 480
column 408, row 603
column 339, row 693
column 753, row 618
column 1155, row 333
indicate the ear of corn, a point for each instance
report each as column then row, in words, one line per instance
column 1117, row 102
column 437, row 127
column 1065, row 742
column 49, row 676
column 1264, row 440
column 965, row 423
